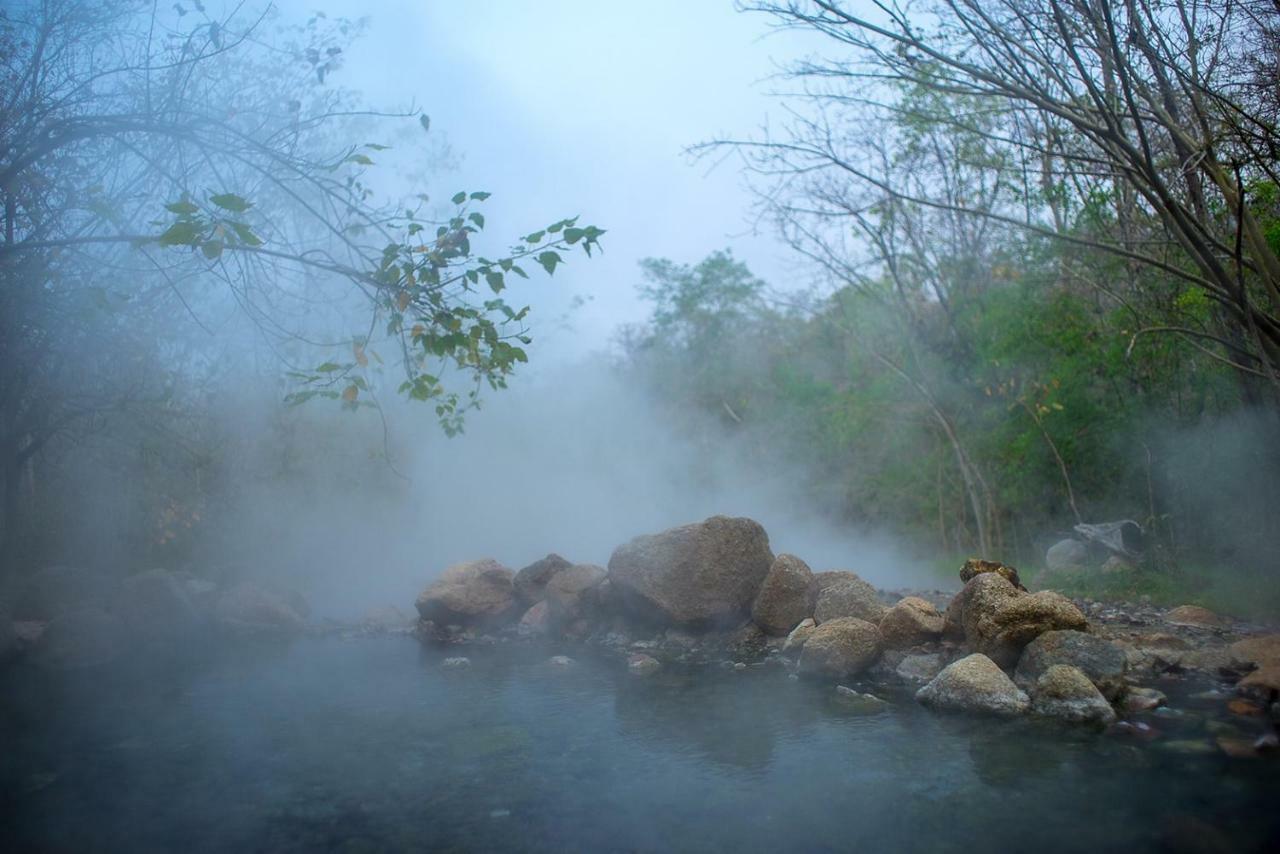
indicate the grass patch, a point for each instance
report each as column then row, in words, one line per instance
column 1222, row 590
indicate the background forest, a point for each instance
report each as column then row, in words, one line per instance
column 1036, row 283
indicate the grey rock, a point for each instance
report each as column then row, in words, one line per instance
column 974, row 684
column 479, row 592
column 704, row 574
column 787, row 596
column 1104, row 662
column 530, row 582
column 849, row 597
column 844, row 646
column 1065, row 692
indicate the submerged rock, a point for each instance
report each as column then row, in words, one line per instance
column 911, row 622
column 858, row 702
column 457, row 662
column 1065, row 692
column 531, row 582
column 479, row 592
column 844, row 646
column 786, row 597
column 998, row 620
column 974, row 684
column 1138, row 700
column 640, row 664
column 1104, row 662
column 703, row 574
column 849, row 597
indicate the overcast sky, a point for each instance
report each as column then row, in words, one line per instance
column 561, row 108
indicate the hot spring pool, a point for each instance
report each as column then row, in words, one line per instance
column 369, row 744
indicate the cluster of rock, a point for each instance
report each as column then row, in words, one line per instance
column 716, row 587
column 70, row 618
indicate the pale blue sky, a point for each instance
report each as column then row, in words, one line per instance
column 562, row 108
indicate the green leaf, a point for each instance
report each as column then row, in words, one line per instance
column 425, row 121
column 231, row 202
column 549, row 260
column 362, row 159
column 246, row 236
column 182, row 208
column 212, row 249
column 495, row 281
column 573, row 235
column 477, row 218
column 180, row 234
column 536, row 237
column 480, row 197
column 328, row 368
column 459, row 198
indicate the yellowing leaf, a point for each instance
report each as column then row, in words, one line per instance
column 350, row 393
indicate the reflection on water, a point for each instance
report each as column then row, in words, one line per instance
column 369, row 745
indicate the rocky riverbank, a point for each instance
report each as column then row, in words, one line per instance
column 713, row 593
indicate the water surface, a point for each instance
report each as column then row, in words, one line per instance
column 369, row 745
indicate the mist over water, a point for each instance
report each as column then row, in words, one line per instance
column 571, row 459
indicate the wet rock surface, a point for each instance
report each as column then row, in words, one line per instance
column 706, row 573
column 910, row 622
column 787, row 596
column 849, row 596
column 1063, row 691
column 974, row 684
column 1103, row 662
column 843, row 646
column 474, row 593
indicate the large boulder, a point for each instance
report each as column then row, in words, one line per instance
column 844, row 646
column 786, row 597
column 531, row 582
column 1104, row 662
column 974, row 684
column 703, row 574
column 910, row 622
column 998, row 620
column 478, row 592
column 1065, row 692
column 569, row 590
column 252, row 610
column 849, row 597
column 1258, row 651
column 56, row 590
column 1067, row 555
column 87, row 637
